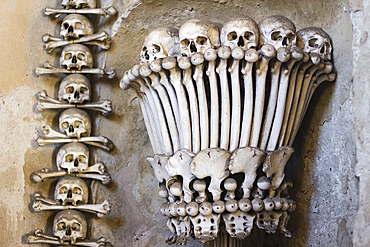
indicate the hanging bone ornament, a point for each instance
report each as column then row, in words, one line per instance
column 238, row 224
column 268, row 220
column 277, row 31
column 315, row 40
column 180, row 228
column 206, row 226
column 75, row 126
column 160, row 43
column 197, row 36
column 240, row 32
column 75, row 59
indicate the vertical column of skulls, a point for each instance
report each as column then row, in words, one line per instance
column 72, row 200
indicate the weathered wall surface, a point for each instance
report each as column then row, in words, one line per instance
column 327, row 147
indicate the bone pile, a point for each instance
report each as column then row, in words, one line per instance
column 78, row 177
column 222, row 105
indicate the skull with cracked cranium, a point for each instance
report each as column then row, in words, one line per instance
column 71, row 190
column 76, row 56
column 159, row 43
column 197, row 36
column 69, row 225
column 240, row 32
column 73, row 157
column 277, row 31
column 315, row 40
column 75, row 123
column 75, row 26
column 75, row 89
column 79, row 4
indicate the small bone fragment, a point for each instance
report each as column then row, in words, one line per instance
column 278, row 202
column 268, row 220
column 244, row 204
column 43, row 96
column 205, row 227
column 230, row 187
column 43, row 174
column 257, row 204
column 158, row 162
column 200, row 186
column 275, row 164
column 104, row 178
column 211, row 162
column 268, row 204
column 251, row 56
column 110, row 11
column 231, row 206
column 282, row 56
column 224, row 53
column 205, row 208
column 218, row 207
column 263, row 184
column 175, row 189
column 282, row 224
column 267, row 52
column 192, row 208
column 238, row 224
column 50, row 133
column 246, row 160
column 211, row 55
column 41, row 238
column 181, row 230
column 185, row 64
column 197, row 59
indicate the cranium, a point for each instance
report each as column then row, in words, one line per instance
column 71, row 190
column 278, row 31
column 197, row 36
column 75, row 89
column 75, row 26
column 69, row 225
column 159, row 43
column 240, row 31
column 79, row 4
column 76, row 56
column 75, row 123
column 315, row 40
column 73, row 157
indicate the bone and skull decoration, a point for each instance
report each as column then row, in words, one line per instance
column 71, row 190
column 73, row 157
column 315, row 40
column 75, row 89
column 79, row 4
column 69, row 225
column 76, row 26
column 76, row 56
column 75, row 123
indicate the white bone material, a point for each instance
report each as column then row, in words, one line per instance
column 75, row 89
column 181, row 230
column 76, row 26
column 69, row 225
column 71, row 190
column 79, row 4
column 105, row 12
column 238, row 224
column 76, row 57
column 205, row 227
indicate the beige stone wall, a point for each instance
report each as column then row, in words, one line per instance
column 322, row 168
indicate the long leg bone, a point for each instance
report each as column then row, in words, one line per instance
column 297, row 55
column 237, row 53
column 185, row 64
column 156, row 66
column 43, row 174
column 282, row 56
column 267, row 52
column 103, row 106
column 40, row 238
column 170, row 64
column 49, row 69
column 224, row 53
column 251, row 56
column 197, row 59
column 211, row 55
column 148, row 76
column 43, row 96
column 101, row 39
column 104, row 12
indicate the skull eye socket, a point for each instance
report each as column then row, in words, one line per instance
column 81, row 158
column 77, row 124
column 65, row 125
column 249, row 36
column 232, row 36
column 185, row 42
column 69, row 158
column 276, row 36
column 78, row 25
column 201, row 40
column 77, row 191
column 70, row 89
column 81, row 56
column 312, row 43
column 63, row 190
column 144, row 48
column 61, row 226
column 76, row 227
column 65, row 25
column 67, row 56
column 156, row 48
column 83, row 90
column 290, row 37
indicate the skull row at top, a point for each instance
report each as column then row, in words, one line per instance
column 197, row 36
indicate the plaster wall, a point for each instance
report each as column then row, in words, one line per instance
column 329, row 167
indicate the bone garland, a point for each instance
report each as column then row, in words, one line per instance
column 105, row 12
column 101, row 39
column 49, row 103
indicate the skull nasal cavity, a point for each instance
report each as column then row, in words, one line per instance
column 70, row 29
column 76, row 163
column 71, row 129
column 74, row 59
column 192, row 47
column 69, row 194
column 285, row 41
column 241, row 42
column 68, row 231
column 77, row 95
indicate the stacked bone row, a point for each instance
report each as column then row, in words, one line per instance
column 71, row 194
column 202, row 188
column 224, row 101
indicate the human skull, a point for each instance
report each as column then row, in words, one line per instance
column 75, row 123
column 240, row 31
column 75, row 89
column 76, row 56
column 75, row 26
column 73, row 157
column 197, row 36
column 79, row 4
column 160, row 43
column 71, row 190
column 69, row 225
column 315, row 40
column 278, row 31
